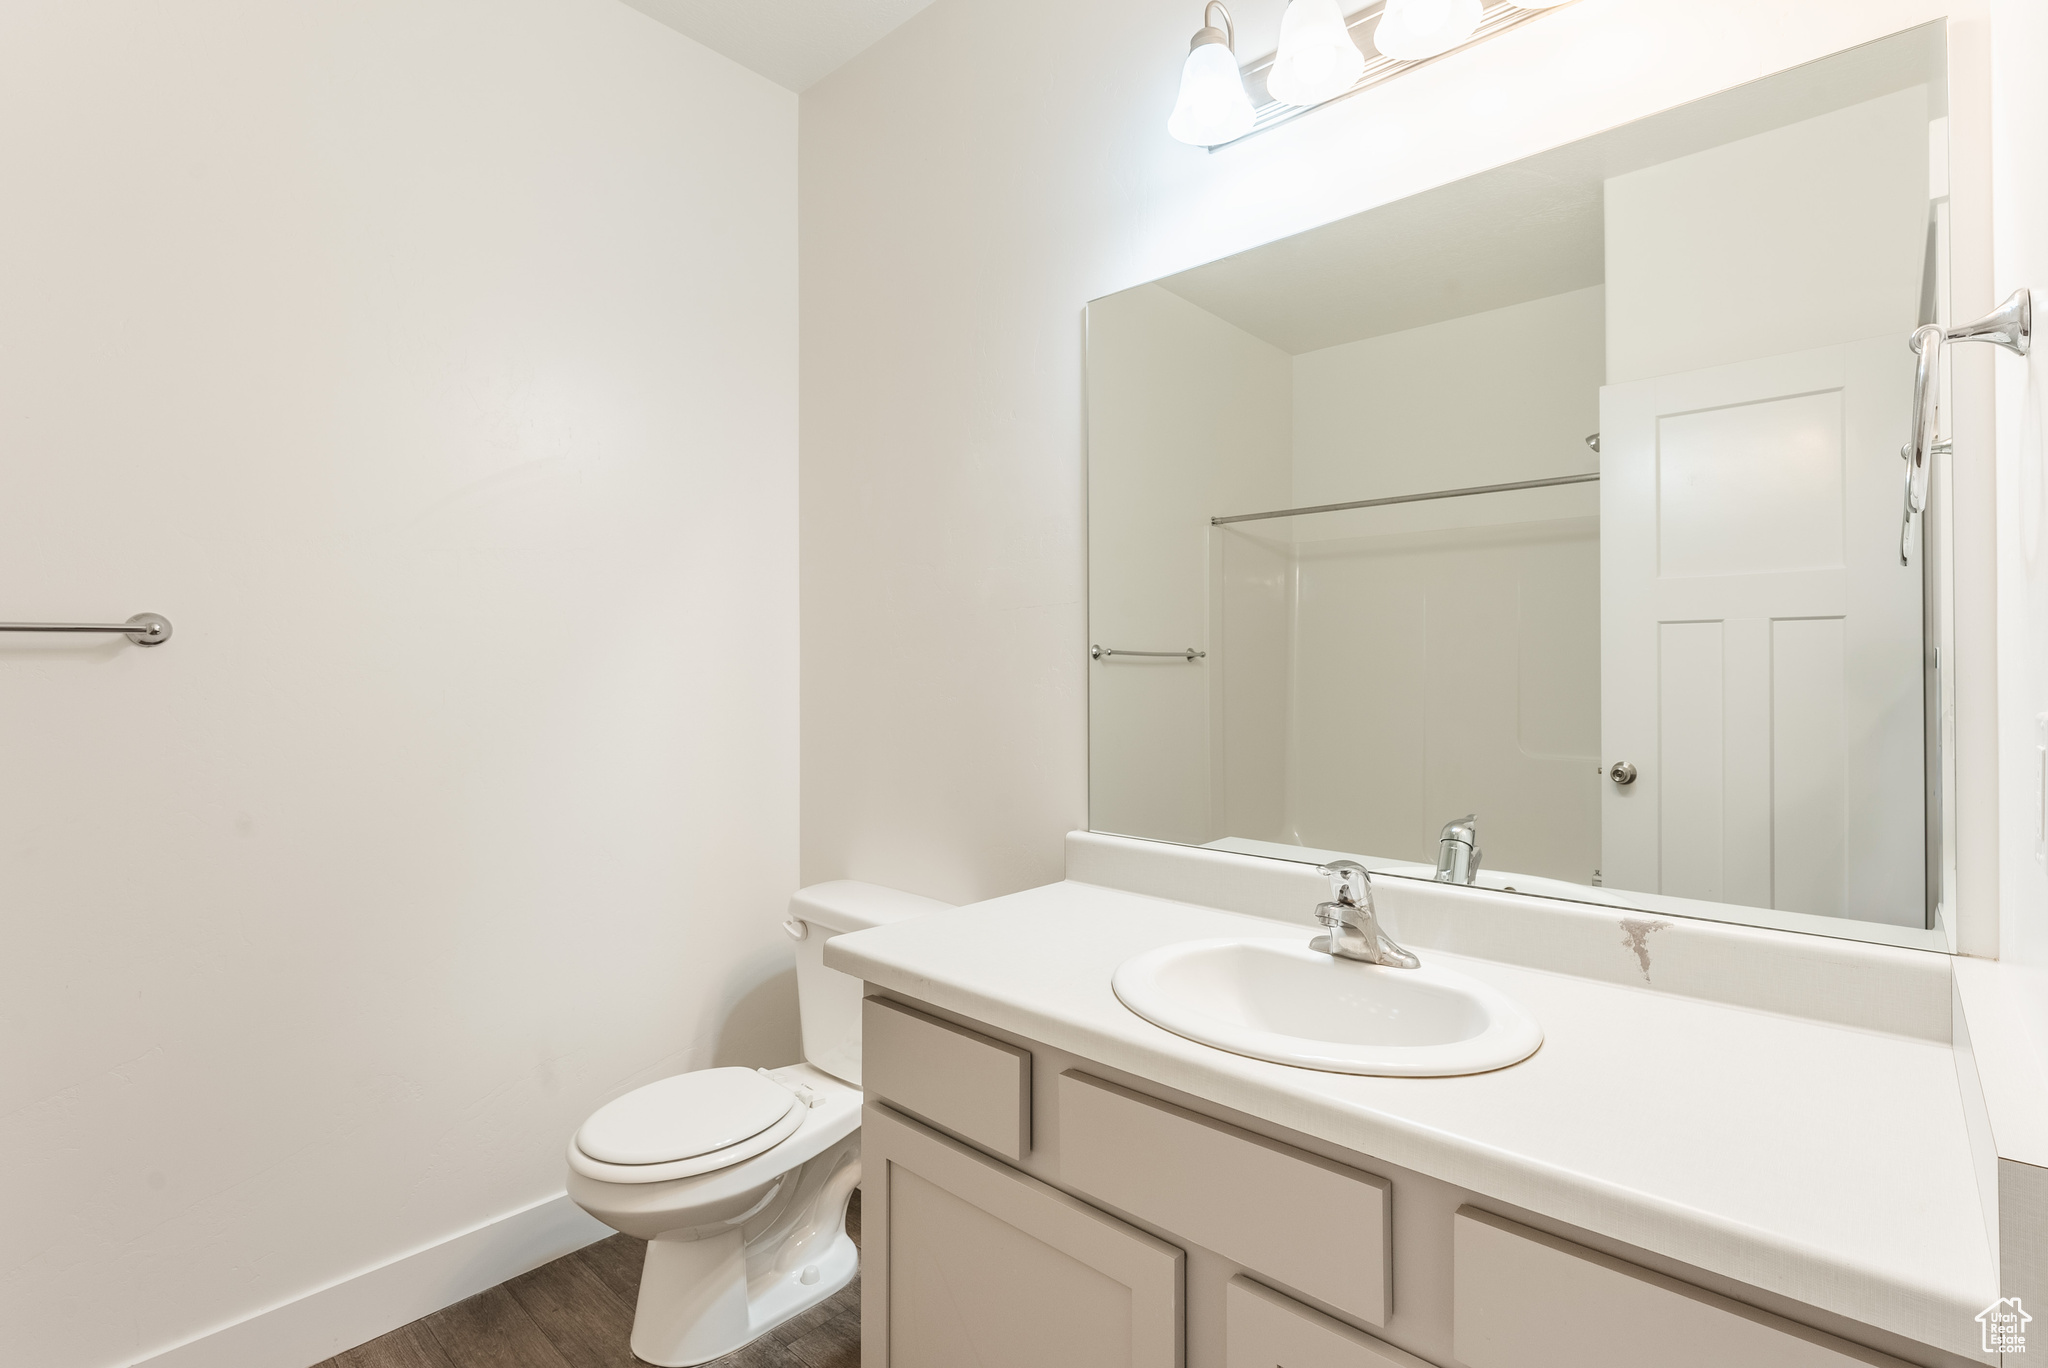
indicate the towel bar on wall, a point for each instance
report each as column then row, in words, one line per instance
column 144, row 629
column 1105, row 652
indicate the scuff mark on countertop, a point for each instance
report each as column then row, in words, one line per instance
column 1635, row 933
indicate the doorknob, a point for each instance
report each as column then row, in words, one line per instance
column 1622, row 773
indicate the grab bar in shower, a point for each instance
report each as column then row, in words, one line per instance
column 144, row 629
column 1413, row 498
column 1105, row 652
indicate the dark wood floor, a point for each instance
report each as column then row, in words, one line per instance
column 577, row 1312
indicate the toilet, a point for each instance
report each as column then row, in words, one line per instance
column 738, row 1179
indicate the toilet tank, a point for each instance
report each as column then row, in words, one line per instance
column 827, row 1000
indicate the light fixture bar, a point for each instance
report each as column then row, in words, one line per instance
column 1268, row 112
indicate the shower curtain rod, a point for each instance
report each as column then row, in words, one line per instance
column 1409, row 498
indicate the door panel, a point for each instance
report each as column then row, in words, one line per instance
column 1809, row 773
column 1691, row 744
column 1761, row 658
column 1712, row 466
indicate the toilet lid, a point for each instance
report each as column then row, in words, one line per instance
column 684, row 1116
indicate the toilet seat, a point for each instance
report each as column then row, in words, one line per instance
column 684, row 1116
column 687, row 1125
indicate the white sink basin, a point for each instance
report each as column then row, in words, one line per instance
column 1281, row 1001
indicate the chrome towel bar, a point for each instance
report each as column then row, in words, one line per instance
column 144, row 629
column 1105, row 652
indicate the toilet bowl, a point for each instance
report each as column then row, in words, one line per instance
column 738, row 1179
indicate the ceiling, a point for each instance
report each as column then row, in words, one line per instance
column 1524, row 231
column 792, row 42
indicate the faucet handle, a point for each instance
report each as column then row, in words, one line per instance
column 1350, row 882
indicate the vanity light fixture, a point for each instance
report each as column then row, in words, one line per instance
column 1412, row 30
column 1317, row 60
column 1324, row 55
column 1213, row 107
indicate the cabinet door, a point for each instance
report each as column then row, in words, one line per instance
column 1266, row 1330
column 969, row 1262
column 1530, row 1300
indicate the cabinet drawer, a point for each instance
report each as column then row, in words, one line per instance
column 970, row 1262
column 960, row 1081
column 1312, row 1225
column 1530, row 1300
column 1263, row 1329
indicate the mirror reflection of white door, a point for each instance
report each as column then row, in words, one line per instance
column 1760, row 641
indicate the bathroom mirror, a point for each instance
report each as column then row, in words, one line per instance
column 1567, row 497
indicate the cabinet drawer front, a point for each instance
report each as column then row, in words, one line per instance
column 1266, row 1330
column 970, row 1262
column 1315, row 1226
column 958, row 1080
column 1530, row 1300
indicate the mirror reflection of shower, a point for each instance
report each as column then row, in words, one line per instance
column 1568, row 495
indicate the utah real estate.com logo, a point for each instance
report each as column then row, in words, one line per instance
column 2005, row 1326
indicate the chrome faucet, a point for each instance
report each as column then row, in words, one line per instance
column 1457, row 850
column 1355, row 932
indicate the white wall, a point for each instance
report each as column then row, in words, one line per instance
column 949, row 241
column 1187, row 418
column 2020, row 149
column 1508, row 394
column 1770, row 244
column 430, row 363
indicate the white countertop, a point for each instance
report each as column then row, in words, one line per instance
column 1825, row 1163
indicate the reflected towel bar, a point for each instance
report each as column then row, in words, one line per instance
column 1105, row 652
column 144, row 629
column 1411, row 498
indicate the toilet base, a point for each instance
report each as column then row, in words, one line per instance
column 696, row 1303
column 703, row 1298
column 735, row 1252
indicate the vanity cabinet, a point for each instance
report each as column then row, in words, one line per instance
column 1311, row 1224
column 961, row 1080
column 1529, row 1300
column 1263, row 1329
column 990, row 1267
column 1023, row 1211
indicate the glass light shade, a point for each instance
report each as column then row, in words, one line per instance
column 1213, row 107
column 1411, row 30
column 1317, row 60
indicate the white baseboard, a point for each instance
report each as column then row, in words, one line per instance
column 322, row 1323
